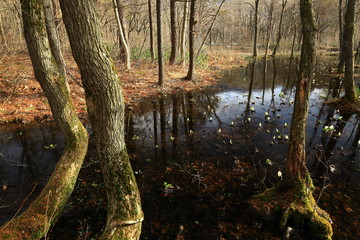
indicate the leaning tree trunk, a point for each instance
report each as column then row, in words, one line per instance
column 278, row 39
column 46, row 208
column 173, row 54
column 349, row 84
column 190, row 74
column 159, row 43
column 105, row 103
column 256, row 27
column 123, row 41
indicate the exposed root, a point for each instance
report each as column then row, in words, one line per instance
column 344, row 105
column 298, row 206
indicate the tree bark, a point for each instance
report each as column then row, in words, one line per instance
column 190, row 74
column 53, row 36
column 349, row 84
column 183, row 31
column 46, row 208
column 278, row 39
column 159, row 43
column 295, row 165
column 340, row 66
column 256, row 27
column 152, row 52
column 122, row 34
column 173, row 54
column 105, row 104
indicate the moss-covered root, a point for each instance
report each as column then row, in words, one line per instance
column 302, row 208
column 124, row 232
column 317, row 219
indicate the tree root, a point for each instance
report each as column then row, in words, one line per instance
column 298, row 206
column 344, row 105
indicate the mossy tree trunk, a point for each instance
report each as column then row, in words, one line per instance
column 105, row 104
column 46, row 208
column 349, row 84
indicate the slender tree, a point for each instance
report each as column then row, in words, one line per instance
column 151, row 32
column 190, row 74
column 183, row 31
column 105, row 104
column 47, row 207
column 349, row 84
column 340, row 66
column 159, row 43
column 123, row 40
column 173, row 33
column 256, row 14
column 279, row 35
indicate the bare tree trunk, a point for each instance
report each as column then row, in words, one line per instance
column 53, row 35
column 122, row 33
column 173, row 32
column 35, row 222
column 256, row 14
column 183, row 31
column 278, row 39
column 210, row 28
column 349, row 84
column 295, row 165
column 105, row 104
column 293, row 42
column 159, row 43
column 340, row 66
column 190, row 74
column 2, row 33
column 152, row 52
column 270, row 27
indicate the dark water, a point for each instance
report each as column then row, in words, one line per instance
column 199, row 156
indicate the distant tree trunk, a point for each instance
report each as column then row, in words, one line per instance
column 173, row 54
column 123, row 41
column 183, row 31
column 190, row 74
column 105, row 104
column 256, row 27
column 53, row 36
column 210, row 28
column 349, row 84
column 2, row 33
column 270, row 27
column 293, row 42
column 295, row 165
column 35, row 222
column 152, row 52
column 340, row 66
column 278, row 39
column 159, row 43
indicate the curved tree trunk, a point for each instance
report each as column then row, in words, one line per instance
column 173, row 54
column 349, row 84
column 46, row 208
column 105, row 103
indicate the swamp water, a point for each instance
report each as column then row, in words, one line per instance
column 199, row 156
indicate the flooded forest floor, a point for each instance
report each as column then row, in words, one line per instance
column 22, row 99
column 198, row 156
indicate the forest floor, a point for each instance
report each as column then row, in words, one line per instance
column 23, row 101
